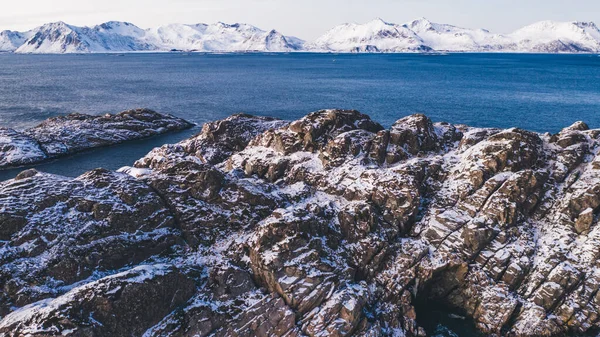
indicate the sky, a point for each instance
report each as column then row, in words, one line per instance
column 306, row 19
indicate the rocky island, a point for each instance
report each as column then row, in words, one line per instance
column 329, row 225
column 65, row 135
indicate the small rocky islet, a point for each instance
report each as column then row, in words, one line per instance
column 73, row 133
column 329, row 225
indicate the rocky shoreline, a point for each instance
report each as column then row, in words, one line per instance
column 73, row 133
column 329, row 225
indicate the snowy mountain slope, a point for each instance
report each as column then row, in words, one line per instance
column 423, row 35
column 60, row 37
column 57, row 37
column 420, row 35
column 374, row 36
column 10, row 41
column 120, row 36
column 220, row 37
column 116, row 36
column 451, row 38
column 544, row 36
column 551, row 36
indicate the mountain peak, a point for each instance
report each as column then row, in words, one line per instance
column 421, row 23
column 117, row 23
column 117, row 29
column 421, row 20
column 583, row 24
column 60, row 26
column 378, row 19
column 228, row 25
column 57, row 24
column 378, row 22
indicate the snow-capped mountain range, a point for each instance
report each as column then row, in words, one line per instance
column 59, row 37
column 423, row 35
column 420, row 35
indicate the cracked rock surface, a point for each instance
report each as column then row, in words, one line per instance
column 330, row 225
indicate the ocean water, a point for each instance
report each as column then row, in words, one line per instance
column 543, row 93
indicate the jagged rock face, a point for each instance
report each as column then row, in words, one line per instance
column 57, row 231
column 124, row 304
column 325, row 226
column 74, row 133
column 217, row 141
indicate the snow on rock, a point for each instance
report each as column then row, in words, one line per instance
column 422, row 35
column 220, row 37
column 374, row 36
column 329, row 225
column 117, row 36
column 10, row 40
column 445, row 37
column 138, row 298
column 551, row 36
column 73, row 133
column 57, row 231
column 18, row 149
column 59, row 37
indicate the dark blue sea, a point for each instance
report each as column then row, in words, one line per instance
column 538, row 92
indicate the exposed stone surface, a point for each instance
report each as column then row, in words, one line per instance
column 124, row 304
column 74, row 133
column 57, row 231
column 18, row 149
column 325, row 226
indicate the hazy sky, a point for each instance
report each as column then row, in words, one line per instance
column 303, row 18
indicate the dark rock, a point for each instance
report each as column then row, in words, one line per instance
column 125, row 304
column 58, row 231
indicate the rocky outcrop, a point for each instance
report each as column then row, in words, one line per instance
column 124, row 304
column 17, row 149
column 329, row 225
column 57, row 232
column 74, row 133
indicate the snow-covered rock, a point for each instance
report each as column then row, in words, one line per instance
column 115, row 36
column 74, row 133
column 220, row 37
column 10, row 41
column 444, row 37
column 423, row 35
column 374, row 36
column 59, row 37
column 557, row 37
column 17, row 149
